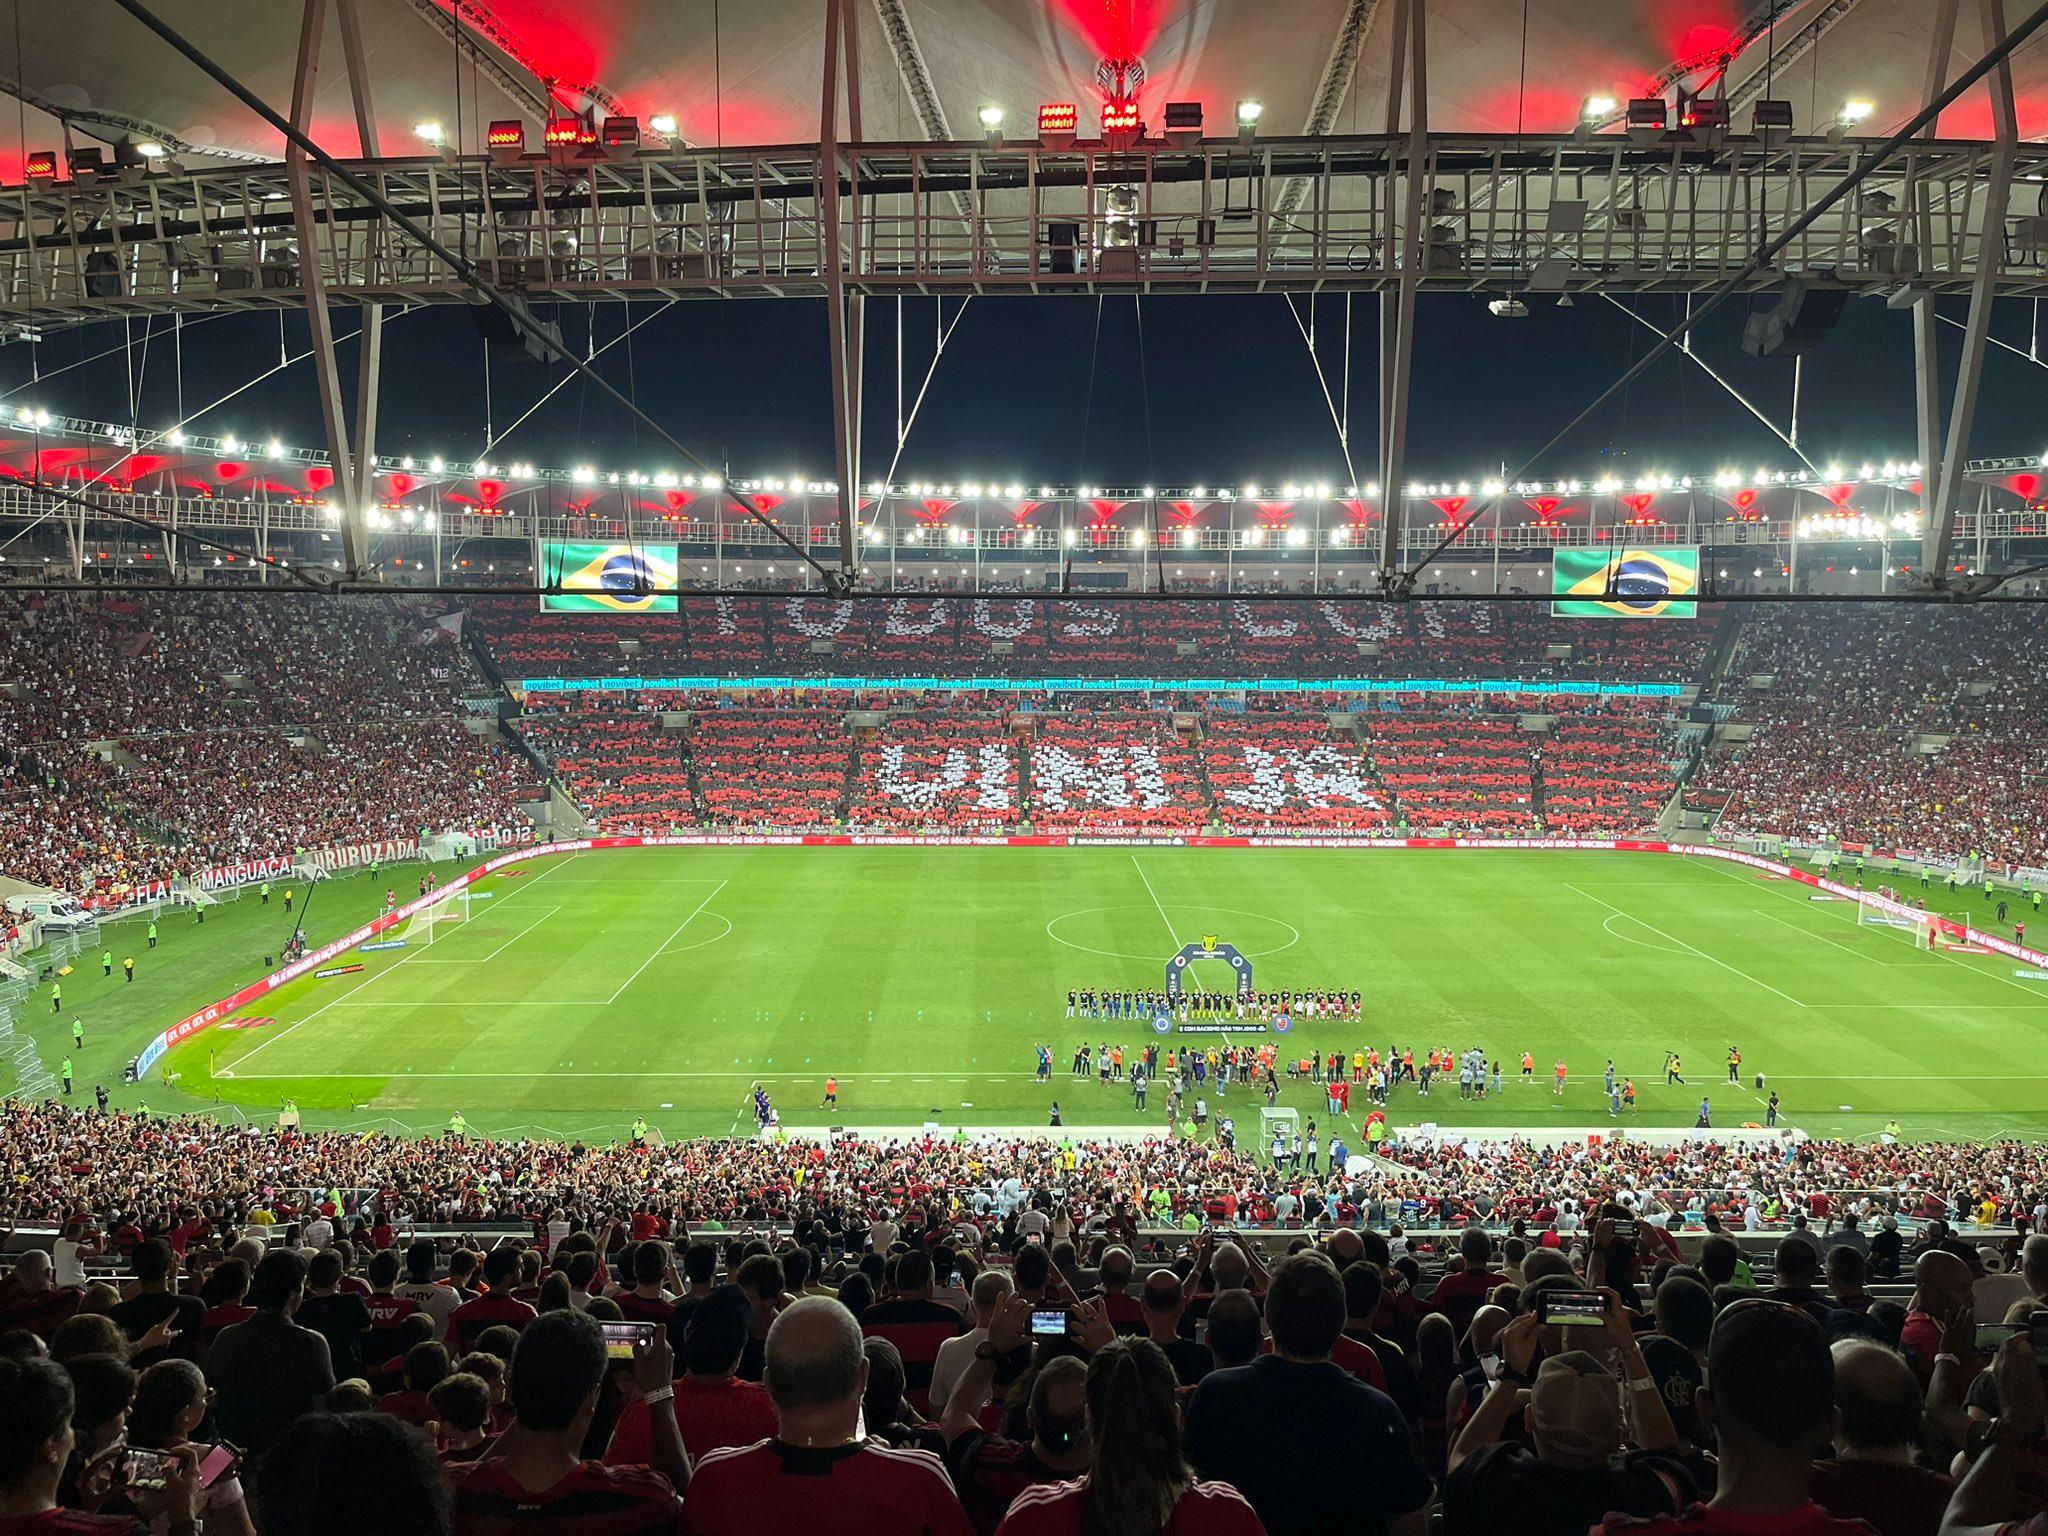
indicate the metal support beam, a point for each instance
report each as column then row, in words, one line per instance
column 355, row 542
column 845, row 348
column 918, row 85
column 1926, row 346
column 1983, row 293
column 1397, row 341
column 1339, row 70
column 370, row 356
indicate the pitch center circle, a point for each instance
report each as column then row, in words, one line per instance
column 1161, row 955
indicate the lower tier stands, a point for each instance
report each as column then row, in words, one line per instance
column 619, row 764
column 1291, row 773
column 783, row 767
column 1605, row 774
column 938, row 768
column 894, row 761
column 1457, row 773
column 1114, row 771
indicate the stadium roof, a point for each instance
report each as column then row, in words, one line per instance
column 749, row 71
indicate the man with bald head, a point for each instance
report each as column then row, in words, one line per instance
column 1873, row 1475
column 820, row 1472
column 1162, row 1299
column 1940, row 1320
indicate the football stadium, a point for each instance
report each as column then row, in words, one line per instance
column 1012, row 768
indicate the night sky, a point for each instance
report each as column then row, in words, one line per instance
column 1184, row 390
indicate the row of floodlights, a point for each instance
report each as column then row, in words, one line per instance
column 592, row 137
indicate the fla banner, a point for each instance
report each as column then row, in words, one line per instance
column 608, row 578
column 1625, row 583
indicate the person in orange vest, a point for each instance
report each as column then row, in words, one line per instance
column 1528, row 1066
column 831, row 1098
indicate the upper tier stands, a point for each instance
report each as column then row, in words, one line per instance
column 1855, row 693
column 920, row 636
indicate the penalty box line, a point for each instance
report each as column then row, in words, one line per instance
column 1733, row 970
column 264, row 1045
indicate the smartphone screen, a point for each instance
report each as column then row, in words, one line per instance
column 145, row 1469
column 1624, row 1230
column 620, row 1338
column 1572, row 1309
column 1048, row 1322
column 218, row 1462
column 1489, row 1366
column 1992, row 1336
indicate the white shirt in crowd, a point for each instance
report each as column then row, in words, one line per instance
column 70, row 1270
column 882, row 1235
column 955, row 1356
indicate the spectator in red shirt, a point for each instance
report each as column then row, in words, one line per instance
column 496, row 1305
column 29, row 1300
column 426, row 1367
column 1463, row 1292
column 816, row 1474
column 1138, row 1481
column 649, row 1301
column 1125, row 1315
column 1939, row 1318
column 1771, row 1402
column 540, row 1481
column 714, row 1408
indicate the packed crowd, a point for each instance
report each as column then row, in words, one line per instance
column 938, row 767
column 1935, row 740
column 883, row 1362
column 919, row 636
column 155, row 735
column 135, row 1172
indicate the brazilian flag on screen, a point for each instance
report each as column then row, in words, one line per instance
column 1625, row 583
column 608, row 578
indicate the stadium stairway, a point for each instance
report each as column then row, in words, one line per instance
column 1193, row 735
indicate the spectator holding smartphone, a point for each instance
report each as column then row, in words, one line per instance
column 540, row 1481
column 1582, row 1468
column 171, row 1398
column 36, row 1445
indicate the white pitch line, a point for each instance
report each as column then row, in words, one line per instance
column 669, row 940
column 1939, row 952
column 486, row 959
column 751, row 1076
column 265, row 1045
column 1731, row 969
column 1156, row 901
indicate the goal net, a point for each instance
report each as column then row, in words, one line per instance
column 1918, row 926
column 449, row 907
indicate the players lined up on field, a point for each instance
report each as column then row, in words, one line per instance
column 1149, row 1004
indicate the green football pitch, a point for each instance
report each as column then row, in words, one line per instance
column 589, row 988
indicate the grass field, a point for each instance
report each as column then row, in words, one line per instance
column 591, row 987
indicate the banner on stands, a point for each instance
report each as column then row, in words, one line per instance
column 1359, row 685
